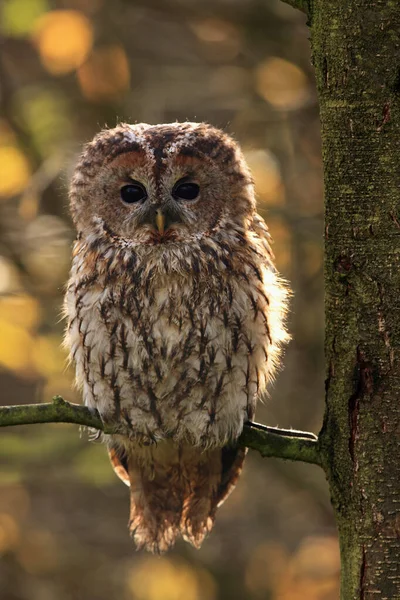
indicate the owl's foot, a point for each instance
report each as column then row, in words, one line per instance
column 123, row 426
column 142, row 438
column 221, row 432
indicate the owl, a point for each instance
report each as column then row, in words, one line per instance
column 175, row 316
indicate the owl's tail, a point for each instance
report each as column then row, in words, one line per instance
column 175, row 490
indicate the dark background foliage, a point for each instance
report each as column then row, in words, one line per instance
column 67, row 68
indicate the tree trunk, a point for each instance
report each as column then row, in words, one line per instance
column 356, row 53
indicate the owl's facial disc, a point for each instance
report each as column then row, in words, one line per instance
column 171, row 183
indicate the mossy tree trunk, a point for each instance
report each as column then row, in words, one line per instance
column 356, row 53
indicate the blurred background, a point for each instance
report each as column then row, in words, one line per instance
column 67, row 68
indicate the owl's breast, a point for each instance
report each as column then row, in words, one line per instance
column 175, row 357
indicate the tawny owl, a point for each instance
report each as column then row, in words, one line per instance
column 175, row 316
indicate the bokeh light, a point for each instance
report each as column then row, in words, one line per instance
column 282, row 83
column 105, row 75
column 15, row 171
column 63, row 39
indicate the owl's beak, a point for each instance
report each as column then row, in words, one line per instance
column 160, row 221
column 160, row 218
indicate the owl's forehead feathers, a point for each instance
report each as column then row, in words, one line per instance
column 161, row 143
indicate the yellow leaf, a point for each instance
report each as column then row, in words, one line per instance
column 61, row 383
column 105, row 75
column 63, row 38
column 49, row 357
column 312, row 573
column 21, row 310
column 9, row 533
column 16, row 348
column 165, row 579
column 267, row 177
column 282, row 84
column 18, row 16
column 14, row 171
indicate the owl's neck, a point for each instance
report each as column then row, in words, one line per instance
column 109, row 256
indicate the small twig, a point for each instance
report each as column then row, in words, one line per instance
column 303, row 5
column 269, row 441
column 285, row 432
column 281, row 443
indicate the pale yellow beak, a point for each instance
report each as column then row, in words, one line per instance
column 160, row 221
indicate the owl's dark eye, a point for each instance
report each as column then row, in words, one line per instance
column 185, row 190
column 134, row 192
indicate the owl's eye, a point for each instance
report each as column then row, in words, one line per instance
column 185, row 190
column 134, row 192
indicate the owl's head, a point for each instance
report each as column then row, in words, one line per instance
column 153, row 184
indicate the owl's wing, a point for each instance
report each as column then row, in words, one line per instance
column 232, row 463
column 260, row 228
column 119, row 462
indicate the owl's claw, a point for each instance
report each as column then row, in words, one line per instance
column 142, row 439
column 124, row 427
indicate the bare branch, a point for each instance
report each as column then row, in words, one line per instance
column 303, row 5
column 269, row 441
column 281, row 443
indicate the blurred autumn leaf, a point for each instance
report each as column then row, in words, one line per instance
column 267, row 177
column 105, row 75
column 16, row 348
column 312, row 573
column 9, row 533
column 50, row 358
column 15, row 171
column 282, row 84
column 170, row 580
column 281, row 241
column 44, row 113
column 22, row 310
column 17, row 17
column 221, row 40
column 63, row 39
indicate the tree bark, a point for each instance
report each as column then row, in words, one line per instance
column 356, row 53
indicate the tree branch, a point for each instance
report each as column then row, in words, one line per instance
column 281, row 443
column 303, row 5
column 269, row 441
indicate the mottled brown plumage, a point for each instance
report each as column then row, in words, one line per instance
column 175, row 316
